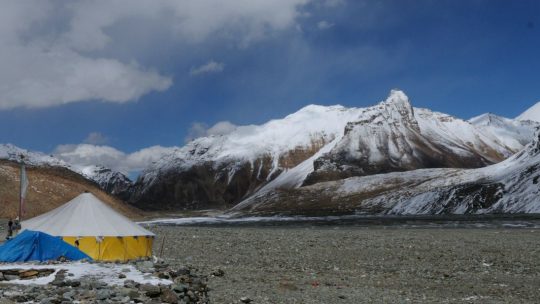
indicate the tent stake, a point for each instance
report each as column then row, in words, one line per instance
column 161, row 249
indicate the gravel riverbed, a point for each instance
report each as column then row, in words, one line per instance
column 348, row 264
column 359, row 265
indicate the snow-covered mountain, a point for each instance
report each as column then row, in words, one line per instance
column 320, row 143
column 14, row 153
column 511, row 186
column 335, row 159
column 394, row 136
column 533, row 113
column 515, row 133
column 112, row 182
column 219, row 170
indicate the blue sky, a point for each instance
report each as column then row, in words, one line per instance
column 131, row 75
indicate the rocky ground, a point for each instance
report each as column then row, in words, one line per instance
column 359, row 265
column 320, row 264
column 186, row 288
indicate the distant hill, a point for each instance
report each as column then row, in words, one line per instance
column 50, row 186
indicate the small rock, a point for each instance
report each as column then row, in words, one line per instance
column 121, row 276
column 87, row 294
column 179, row 288
column 218, row 272
column 245, row 300
column 183, row 271
column 28, row 274
column 73, row 283
column 164, row 275
column 10, row 277
column 103, row 294
column 69, row 295
column 50, row 301
column 150, row 290
column 130, row 284
column 20, row 298
column 133, row 294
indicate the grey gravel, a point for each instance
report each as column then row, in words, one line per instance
column 360, row 265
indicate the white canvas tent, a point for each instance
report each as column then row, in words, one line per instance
column 96, row 228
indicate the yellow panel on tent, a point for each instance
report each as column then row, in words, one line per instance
column 114, row 248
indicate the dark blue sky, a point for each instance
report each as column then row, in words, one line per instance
column 459, row 57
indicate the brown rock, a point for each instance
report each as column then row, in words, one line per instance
column 168, row 296
column 28, row 274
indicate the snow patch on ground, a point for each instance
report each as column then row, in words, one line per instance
column 107, row 273
column 249, row 219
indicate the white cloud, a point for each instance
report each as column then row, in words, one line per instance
column 86, row 154
column 208, row 68
column 56, row 52
column 40, row 68
column 199, row 129
column 141, row 159
column 323, row 25
column 221, row 128
column 83, row 155
column 95, row 138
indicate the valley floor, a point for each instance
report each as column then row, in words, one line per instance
column 360, row 265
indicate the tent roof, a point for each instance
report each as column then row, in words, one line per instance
column 85, row 215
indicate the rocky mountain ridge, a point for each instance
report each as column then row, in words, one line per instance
column 319, row 144
column 511, row 186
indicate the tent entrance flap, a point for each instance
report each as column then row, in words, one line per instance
column 113, row 248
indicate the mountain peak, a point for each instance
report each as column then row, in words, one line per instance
column 397, row 96
column 399, row 101
column 317, row 109
column 533, row 113
column 398, row 107
column 486, row 119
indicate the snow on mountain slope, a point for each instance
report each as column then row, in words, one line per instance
column 394, row 136
column 514, row 134
column 511, row 186
column 309, row 126
column 533, row 113
column 316, row 144
column 14, row 153
column 110, row 181
column 219, row 170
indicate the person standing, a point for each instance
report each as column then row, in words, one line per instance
column 10, row 229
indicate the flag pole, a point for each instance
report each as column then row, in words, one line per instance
column 21, row 194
